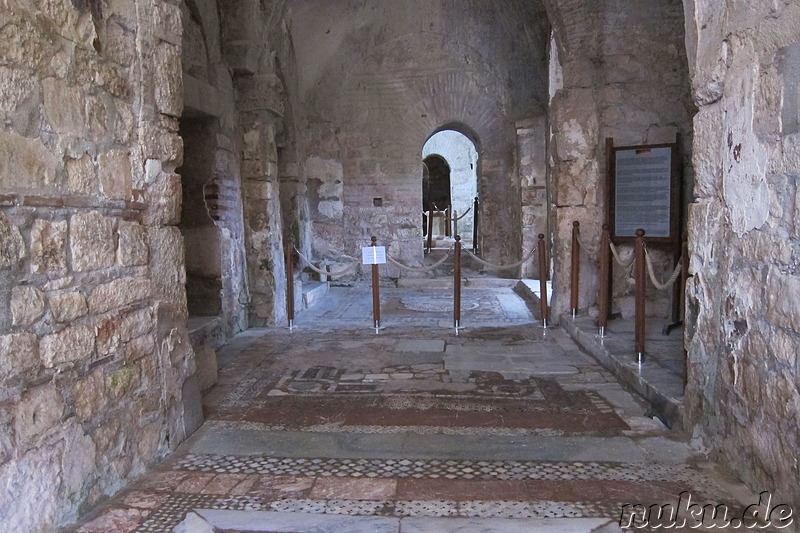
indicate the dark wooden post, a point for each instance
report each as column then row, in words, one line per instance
column 545, row 310
column 447, row 218
column 640, row 277
column 605, row 280
column 476, row 212
column 289, row 260
column 457, row 284
column 376, row 298
column 576, row 228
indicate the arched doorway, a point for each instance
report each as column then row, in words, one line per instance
column 450, row 159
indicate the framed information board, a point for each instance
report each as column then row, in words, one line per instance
column 644, row 191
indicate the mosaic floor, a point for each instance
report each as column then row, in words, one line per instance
column 504, row 429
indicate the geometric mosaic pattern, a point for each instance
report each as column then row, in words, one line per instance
column 532, row 394
column 433, row 468
column 173, row 511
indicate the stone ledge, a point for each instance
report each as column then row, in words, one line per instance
column 77, row 201
column 668, row 408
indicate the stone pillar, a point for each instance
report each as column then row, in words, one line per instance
column 261, row 112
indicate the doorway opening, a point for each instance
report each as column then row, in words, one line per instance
column 450, row 186
column 201, row 237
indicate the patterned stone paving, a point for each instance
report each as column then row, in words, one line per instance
column 346, row 388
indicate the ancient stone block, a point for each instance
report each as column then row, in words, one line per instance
column 63, row 106
column 114, row 171
column 168, row 23
column 90, row 394
column 132, row 248
column 82, row 175
column 139, row 347
column 164, row 200
column 12, row 247
column 39, row 410
column 168, row 266
column 119, row 293
column 91, row 241
column 36, row 481
column 79, row 458
column 783, row 293
column 168, row 78
column 20, row 353
column 123, row 380
column 25, row 163
column 49, row 247
column 206, row 363
column 68, row 306
column 27, row 305
column 74, row 343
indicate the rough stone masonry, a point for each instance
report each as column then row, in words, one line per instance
column 157, row 155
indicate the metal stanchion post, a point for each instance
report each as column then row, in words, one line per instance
column 545, row 310
column 575, row 268
column 376, row 299
column 289, row 260
column 455, row 222
column 605, row 280
column 640, row 277
column 457, row 284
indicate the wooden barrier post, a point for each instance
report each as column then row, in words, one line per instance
column 289, row 260
column 447, row 225
column 376, row 298
column 605, row 280
column 476, row 215
column 545, row 310
column 576, row 228
column 640, row 273
column 457, row 284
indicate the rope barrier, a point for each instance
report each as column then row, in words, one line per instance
column 501, row 267
column 616, row 257
column 465, row 214
column 651, row 272
column 589, row 251
column 437, row 264
column 343, row 272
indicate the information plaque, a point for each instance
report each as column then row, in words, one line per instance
column 373, row 255
column 644, row 192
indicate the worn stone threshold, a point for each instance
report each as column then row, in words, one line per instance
column 654, row 380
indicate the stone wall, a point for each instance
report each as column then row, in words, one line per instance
column 378, row 80
column 94, row 356
column 623, row 75
column 744, row 235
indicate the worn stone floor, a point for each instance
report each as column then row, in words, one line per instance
column 330, row 427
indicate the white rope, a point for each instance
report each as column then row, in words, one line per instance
column 343, row 272
column 397, row 263
column 652, row 274
column 590, row 251
column 616, row 256
column 501, row 267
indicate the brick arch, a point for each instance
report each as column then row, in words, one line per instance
column 574, row 26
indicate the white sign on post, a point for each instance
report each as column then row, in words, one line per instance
column 373, row 255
